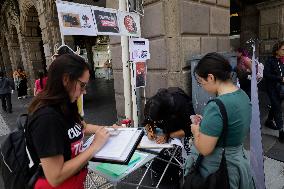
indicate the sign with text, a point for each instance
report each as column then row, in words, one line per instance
column 75, row 19
column 129, row 24
column 106, row 21
column 139, row 49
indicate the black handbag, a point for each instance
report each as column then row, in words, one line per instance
column 218, row 179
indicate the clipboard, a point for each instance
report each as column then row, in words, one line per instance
column 119, row 148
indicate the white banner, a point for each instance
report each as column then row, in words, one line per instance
column 139, row 49
column 106, row 21
column 129, row 24
column 75, row 19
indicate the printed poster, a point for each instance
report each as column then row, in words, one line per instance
column 129, row 24
column 75, row 19
column 106, row 21
column 140, row 74
column 139, row 49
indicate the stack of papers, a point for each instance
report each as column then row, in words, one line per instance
column 146, row 143
column 115, row 170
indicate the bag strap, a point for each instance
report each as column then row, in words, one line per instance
column 225, row 120
column 22, row 123
column 224, row 130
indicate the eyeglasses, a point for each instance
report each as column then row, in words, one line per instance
column 83, row 85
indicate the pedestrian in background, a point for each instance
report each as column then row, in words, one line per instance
column 107, row 67
column 243, row 70
column 6, row 87
column 273, row 74
column 21, row 81
column 40, row 83
column 213, row 73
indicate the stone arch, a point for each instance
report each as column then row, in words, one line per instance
column 14, row 47
column 33, row 41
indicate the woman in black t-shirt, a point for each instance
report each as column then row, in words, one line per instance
column 57, row 130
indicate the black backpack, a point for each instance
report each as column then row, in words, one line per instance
column 17, row 158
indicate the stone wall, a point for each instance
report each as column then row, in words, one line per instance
column 177, row 30
column 271, row 24
column 249, row 25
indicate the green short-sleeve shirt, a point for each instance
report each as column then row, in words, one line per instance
column 238, row 108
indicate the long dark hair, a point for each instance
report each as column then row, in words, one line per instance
column 215, row 64
column 276, row 47
column 55, row 94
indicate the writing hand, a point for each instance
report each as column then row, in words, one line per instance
column 115, row 126
column 101, row 138
column 162, row 139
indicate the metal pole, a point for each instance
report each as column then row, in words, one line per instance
column 125, row 67
column 134, row 95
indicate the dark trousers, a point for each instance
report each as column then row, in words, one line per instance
column 275, row 113
column 22, row 90
column 245, row 85
column 6, row 102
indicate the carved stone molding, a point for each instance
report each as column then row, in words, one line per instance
column 270, row 4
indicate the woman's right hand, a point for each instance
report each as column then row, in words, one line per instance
column 100, row 139
column 196, row 119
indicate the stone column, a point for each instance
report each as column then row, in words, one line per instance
column 249, row 25
column 271, row 24
column 14, row 52
column 177, row 30
column 6, row 60
column 34, row 59
column 2, row 66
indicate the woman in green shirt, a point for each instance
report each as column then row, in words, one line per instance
column 213, row 73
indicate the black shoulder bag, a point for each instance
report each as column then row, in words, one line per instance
column 218, row 179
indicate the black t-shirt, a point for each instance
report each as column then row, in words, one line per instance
column 52, row 134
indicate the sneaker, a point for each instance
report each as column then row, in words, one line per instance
column 271, row 125
column 281, row 136
column 19, row 97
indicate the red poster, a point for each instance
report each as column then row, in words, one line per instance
column 140, row 74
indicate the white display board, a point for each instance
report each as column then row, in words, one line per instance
column 75, row 19
column 139, row 49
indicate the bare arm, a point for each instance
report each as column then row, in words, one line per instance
column 249, row 63
column 177, row 134
column 91, row 128
column 204, row 144
column 164, row 138
column 57, row 171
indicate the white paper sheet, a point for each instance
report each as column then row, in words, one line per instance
column 116, row 145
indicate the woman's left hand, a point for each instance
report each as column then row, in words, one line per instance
column 115, row 126
column 161, row 139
